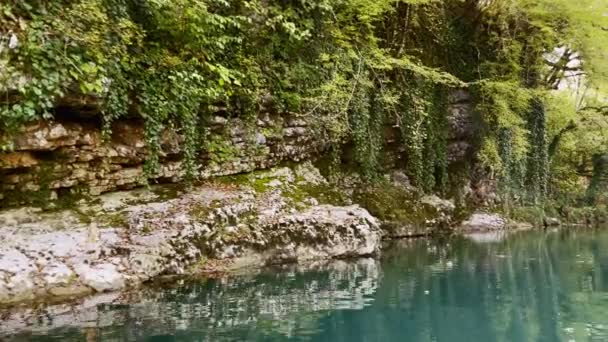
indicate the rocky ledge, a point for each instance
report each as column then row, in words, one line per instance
column 283, row 215
column 111, row 245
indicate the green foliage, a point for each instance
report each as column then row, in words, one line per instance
column 354, row 67
column 220, row 149
column 537, row 163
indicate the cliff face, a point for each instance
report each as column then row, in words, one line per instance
column 56, row 159
column 257, row 218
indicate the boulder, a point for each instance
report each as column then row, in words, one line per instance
column 439, row 204
column 484, row 222
column 551, row 222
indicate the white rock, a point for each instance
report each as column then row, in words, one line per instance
column 20, row 286
column 551, row 222
column 484, row 221
column 57, row 132
column 275, row 183
column 104, row 277
column 260, row 139
column 13, row 42
column 57, row 275
column 13, row 261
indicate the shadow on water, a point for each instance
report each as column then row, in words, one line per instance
column 529, row 286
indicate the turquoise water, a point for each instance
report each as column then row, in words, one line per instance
column 533, row 286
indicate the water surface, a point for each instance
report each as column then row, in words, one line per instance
column 533, row 286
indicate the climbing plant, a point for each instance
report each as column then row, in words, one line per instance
column 354, row 67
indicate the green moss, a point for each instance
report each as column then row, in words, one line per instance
column 43, row 198
column 147, row 228
column 116, row 220
column 325, row 194
column 202, row 212
column 391, row 203
column 72, row 278
column 257, row 180
column 199, row 265
column 274, row 132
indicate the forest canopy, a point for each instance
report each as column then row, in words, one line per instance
column 537, row 70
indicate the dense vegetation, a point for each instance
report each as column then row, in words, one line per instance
column 537, row 70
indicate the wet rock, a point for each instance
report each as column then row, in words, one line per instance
column 397, row 230
column 145, row 309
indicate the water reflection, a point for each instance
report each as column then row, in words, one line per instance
column 284, row 301
column 531, row 286
column 488, row 237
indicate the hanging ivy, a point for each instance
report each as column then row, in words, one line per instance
column 352, row 67
column 538, row 161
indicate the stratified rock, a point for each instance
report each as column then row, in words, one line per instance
column 71, row 157
column 322, row 232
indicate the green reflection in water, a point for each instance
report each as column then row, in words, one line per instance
column 533, row 286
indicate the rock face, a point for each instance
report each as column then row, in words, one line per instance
column 323, row 232
column 117, row 243
column 55, row 158
column 128, row 244
column 460, row 123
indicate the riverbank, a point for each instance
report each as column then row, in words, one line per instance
column 283, row 215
